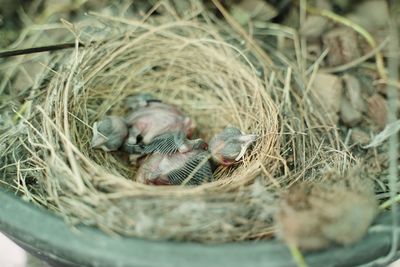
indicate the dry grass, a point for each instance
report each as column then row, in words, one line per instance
column 198, row 64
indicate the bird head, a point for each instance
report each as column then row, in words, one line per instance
column 139, row 101
column 189, row 126
column 230, row 145
column 199, row 144
column 109, row 133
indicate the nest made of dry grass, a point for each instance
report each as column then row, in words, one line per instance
column 201, row 66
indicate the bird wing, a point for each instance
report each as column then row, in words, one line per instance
column 168, row 143
column 197, row 168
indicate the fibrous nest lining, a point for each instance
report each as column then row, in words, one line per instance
column 198, row 65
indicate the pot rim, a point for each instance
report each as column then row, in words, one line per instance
column 49, row 237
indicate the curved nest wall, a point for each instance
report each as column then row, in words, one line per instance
column 185, row 63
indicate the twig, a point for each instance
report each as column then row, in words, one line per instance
column 39, row 49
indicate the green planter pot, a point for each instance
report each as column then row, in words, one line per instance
column 49, row 238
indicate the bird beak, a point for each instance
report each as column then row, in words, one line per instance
column 199, row 143
column 97, row 140
column 204, row 146
column 246, row 140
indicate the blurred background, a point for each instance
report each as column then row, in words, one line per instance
column 13, row 256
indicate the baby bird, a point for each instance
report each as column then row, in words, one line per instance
column 154, row 119
column 167, row 144
column 139, row 101
column 191, row 167
column 109, row 133
column 174, row 163
column 230, row 145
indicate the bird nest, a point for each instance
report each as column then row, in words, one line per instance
column 198, row 65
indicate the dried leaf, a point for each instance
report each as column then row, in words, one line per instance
column 349, row 115
column 327, row 88
column 353, row 93
column 378, row 110
column 377, row 10
column 390, row 129
column 342, row 44
column 314, row 26
column 253, row 9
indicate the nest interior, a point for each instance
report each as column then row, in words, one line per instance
column 201, row 67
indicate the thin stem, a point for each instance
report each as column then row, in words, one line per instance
column 297, row 256
column 39, row 49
